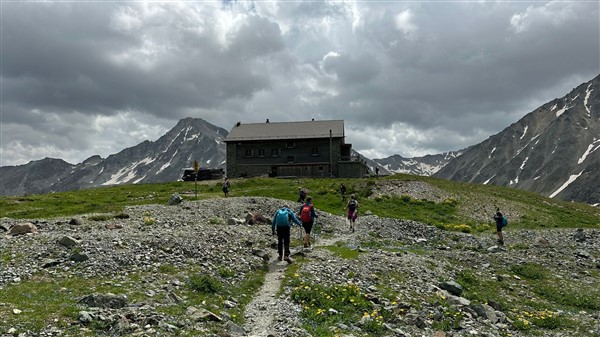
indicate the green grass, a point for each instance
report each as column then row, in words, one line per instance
column 343, row 251
column 456, row 213
column 531, row 271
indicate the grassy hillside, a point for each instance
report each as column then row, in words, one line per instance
column 445, row 203
column 545, row 289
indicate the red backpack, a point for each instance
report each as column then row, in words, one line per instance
column 305, row 213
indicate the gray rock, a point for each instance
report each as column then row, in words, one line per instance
column 79, row 257
column 175, row 199
column 85, row 317
column 68, row 241
column 541, row 241
column 485, row 311
column 496, row 249
column 234, row 222
column 262, row 254
column 457, row 300
column 579, row 235
column 75, row 222
column 51, row 263
column 201, row 314
column 583, row 254
column 105, row 301
column 22, row 228
column 231, row 326
column 229, row 304
column 451, row 286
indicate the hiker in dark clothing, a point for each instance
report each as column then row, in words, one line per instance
column 343, row 192
column 307, row 216
column 281, row 222
column 498, row 218
column 301, row 195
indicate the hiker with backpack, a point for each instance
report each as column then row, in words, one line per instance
column 226, row 187
column 281, row 222
column 307, row 216
column 500, row 223
column 352, row 207
column 301, row 195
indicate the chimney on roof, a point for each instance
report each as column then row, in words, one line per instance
column 267, row 120
column 313, row 119
column 238, row 123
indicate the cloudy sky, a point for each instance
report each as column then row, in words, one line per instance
column 80, row 78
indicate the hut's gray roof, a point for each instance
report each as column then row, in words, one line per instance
column 286, row 130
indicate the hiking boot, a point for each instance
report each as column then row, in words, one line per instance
column 306, row 245
column 288, row 260
column 280, row 258
column 501, row 242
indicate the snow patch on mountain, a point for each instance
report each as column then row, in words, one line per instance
column 587, row 97
column 590, row 149
column 571, row 179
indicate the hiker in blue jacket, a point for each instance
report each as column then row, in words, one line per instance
column 281, row 222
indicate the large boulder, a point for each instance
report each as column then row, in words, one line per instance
column 107, row 301
column 22, row 228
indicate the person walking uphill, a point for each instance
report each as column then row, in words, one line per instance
column 343, row 192
column 352, row 211
column 498, row 217
column 301, row 195
column 307, row 216
column 281, row 222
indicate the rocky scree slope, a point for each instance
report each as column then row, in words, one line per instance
column 401, row 268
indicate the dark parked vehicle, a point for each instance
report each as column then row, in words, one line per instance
column 203, row 174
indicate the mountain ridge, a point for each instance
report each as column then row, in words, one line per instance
column 550, row 151
column 147, row 162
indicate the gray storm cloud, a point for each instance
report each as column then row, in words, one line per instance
column 409, row 78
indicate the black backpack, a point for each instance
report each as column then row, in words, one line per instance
column 352, row 205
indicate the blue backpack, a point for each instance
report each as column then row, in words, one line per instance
column 282, row 217
column 504, row 221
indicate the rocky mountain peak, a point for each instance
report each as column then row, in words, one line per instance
column 552, row 150
column 148, row 162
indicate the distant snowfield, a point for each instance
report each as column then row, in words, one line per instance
column 591, row 148
column 571, row 179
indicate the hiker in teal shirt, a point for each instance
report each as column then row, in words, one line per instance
column 281, row 222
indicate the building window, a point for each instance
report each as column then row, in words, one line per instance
column 290, row 145
column 261, row 152
column 248, row 153
column 320, row 168
column 290, row 159
column 315, row 151
column 274, row 152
